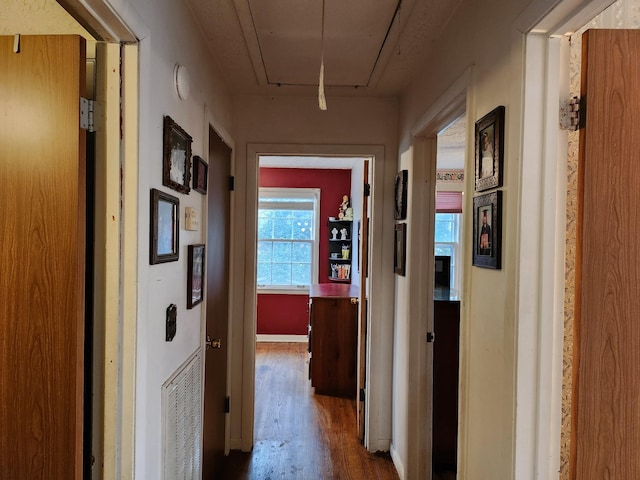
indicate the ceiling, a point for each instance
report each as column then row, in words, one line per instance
column 276, row 46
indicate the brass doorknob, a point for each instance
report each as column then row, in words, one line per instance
column 213, row 343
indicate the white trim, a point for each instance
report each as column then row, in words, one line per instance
column 397, row 462
column 264, row 337
column 449, row 106
column 379, row 365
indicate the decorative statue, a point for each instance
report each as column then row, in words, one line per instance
column 342, row 211
column 334, row 232
column 343, row 234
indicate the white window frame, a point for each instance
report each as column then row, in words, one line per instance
column 292, row 192
column 456, row 265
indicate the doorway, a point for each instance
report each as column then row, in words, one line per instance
column 378, row 398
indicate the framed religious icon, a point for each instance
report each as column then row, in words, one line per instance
column 487, row 230
column 176, row 165
column 200, row 173
column 165, row 229
column 489, row 150
column 195, row 275
column 400, row 194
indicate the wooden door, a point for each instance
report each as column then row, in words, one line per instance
column 362, row 318
column 606, row 410
column 217, row 272
column 42, row 257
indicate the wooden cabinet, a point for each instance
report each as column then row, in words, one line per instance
column 333, row 339
column 340, row 250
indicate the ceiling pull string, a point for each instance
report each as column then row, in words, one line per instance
column 322, row 101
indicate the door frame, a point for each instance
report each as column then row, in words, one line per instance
column 117, row 156
column 453, row 103
column 379, row 371
column 543, row 194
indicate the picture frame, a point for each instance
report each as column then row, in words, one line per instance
column 176, row 165
column 399, row 253
column 200, row 175
column 487, row 230
column 400, row 195
column 195, row 275
column 489, row 152
column 164, row 238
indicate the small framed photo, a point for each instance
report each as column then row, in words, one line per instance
column 176, row 168
column 164, row 228
column 400, row 195
column 200, row 174
column 490, row 150
column 195, row 275
column 487, row 230
column 400, row 254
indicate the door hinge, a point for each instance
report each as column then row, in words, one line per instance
column 86, row 114
column 431, row 337
column 367, row 190
column 572, row 114
column 227, row 405
column 362, row 394
column 232, row 183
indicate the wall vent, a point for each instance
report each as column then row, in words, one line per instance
column 182, row 417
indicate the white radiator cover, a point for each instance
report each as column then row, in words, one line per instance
column 182, row 422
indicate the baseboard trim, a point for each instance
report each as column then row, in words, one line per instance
column 262, row 337
column 397, row 462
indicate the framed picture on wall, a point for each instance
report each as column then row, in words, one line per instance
column 164, row 229
column 195, row 275
column 176, row 165
column 487, row 230
column 400, row 195
column 489, row 150
column 200, row 173
column 399, row 253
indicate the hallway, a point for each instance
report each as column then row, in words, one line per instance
column 299, row 435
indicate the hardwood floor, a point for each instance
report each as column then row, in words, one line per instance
column 300, row 435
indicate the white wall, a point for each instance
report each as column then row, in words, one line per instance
column 298, row 125
column 481, row 37
column 169, row 36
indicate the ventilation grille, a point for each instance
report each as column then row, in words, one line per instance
column 182, row 429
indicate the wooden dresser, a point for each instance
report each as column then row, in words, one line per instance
column 333, row 338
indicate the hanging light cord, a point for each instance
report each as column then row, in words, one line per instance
column 322, row 101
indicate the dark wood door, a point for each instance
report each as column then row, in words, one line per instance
column 606, row 410
column 217, row 272
column 364, row 303
column 42, row 257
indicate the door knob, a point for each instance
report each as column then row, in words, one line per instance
column 213, row 343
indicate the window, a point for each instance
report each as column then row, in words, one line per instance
column 447, row 240
column 287, row 238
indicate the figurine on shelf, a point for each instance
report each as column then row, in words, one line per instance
column 344, row 206
column 334, row 232
column 343, row 234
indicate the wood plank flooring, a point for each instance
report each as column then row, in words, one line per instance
column 300, row 435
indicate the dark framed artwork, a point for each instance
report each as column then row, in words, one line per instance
column 399, row 254
column 176, row 165
column 490, row 150
column 400, row 195
column 200, row 174
column 164, row 228
column 487, row 230
column 195, row 275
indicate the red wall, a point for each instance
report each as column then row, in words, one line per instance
column 289, row 314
